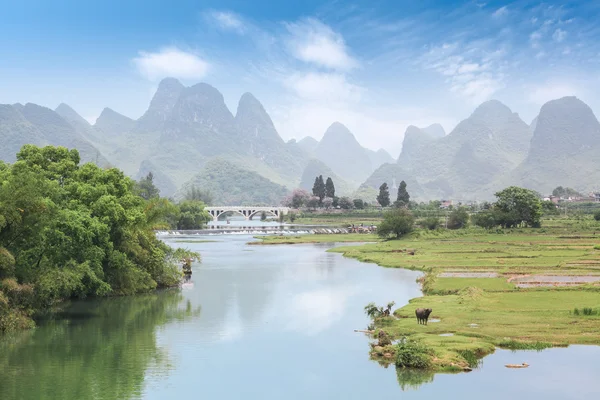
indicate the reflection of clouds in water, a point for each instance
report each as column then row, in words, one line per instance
column 232, row 325
column 314, row 311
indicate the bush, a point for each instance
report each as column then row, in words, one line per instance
column 345, row 203
column 359, row 204
column 431, row 223
column 597, row 215
column 485, row 219
column 7, row 263
column 458, row 218
column 396, row 223
column 412, row 354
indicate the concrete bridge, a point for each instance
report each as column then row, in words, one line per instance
column 247, row 212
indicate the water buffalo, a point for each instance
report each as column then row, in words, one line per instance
column 422, row 315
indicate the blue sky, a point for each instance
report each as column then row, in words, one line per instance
column 376, row 66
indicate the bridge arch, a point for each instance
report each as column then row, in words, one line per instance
column 246, row 211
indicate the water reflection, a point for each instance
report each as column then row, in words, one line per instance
column 412, row 379
column 96, row 349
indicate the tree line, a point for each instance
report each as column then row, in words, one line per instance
column 73, row 231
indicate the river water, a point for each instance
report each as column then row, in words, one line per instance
column 259, row 322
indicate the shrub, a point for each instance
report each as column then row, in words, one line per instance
column 7, row 263
column 412, row 354
column 431, row 223
column 597, row 215
column 458, row 218
column 359, row 204
column 396, row 223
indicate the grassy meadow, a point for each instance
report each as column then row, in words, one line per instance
column 476, row 314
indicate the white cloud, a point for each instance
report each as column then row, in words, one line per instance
column 312, row 41
column 559, row 35
column 172, row 62
column 470, row 70
column 324, row 87
column 227, row 21
column 547, row 91
column 502, row 11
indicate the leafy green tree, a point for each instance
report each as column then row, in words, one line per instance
column 485, row 219
column 73, row 231
column 383, row 198
column 396, row 223
column 329, row 188
column 565, row 192
column 359, row 204
column 549, row 208
column 193, row 215
column 145, row 187
column 458, row 218
column 403, row 197
column 345, row 203
column 597, row 215
column 518, row 206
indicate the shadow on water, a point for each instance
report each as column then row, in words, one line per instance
column 91, row 350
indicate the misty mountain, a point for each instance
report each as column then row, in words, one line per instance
column 436, row 131
column 110, row 123
column 315, row 168
column 261, row 140
column 234, row 185
column 378, row 158
column 392, row 174
column 491, row 142
column 340, row 150
column 161, row 106
column 33, row 124
column 308, row 144
column 564, row 149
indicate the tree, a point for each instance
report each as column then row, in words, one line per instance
column 597, row 215
column 383, row 198
column 263, row 216
column 485, row 219
column 567, row 192
column 297, row 199
column 193, row 215
column 359, row 204
column 403, row 197
column 329, row 188
column 145, row 187
column 319, row 188
column 518, row 206
column 396, row 223
column 458, row 218
column 73, row 231
column 327, row 202
column 197, row 194
column 549, row 208
column 313, row 202
column 345, row 203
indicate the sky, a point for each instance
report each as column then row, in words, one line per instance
column 376, row 66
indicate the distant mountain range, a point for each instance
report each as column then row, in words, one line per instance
column 189, row 137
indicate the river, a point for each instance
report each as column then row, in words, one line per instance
column 259, row 322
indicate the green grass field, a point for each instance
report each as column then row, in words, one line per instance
column 317, row 238
column 482, row 313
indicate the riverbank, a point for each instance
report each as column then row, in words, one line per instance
column 517, row 289
column 316, row 238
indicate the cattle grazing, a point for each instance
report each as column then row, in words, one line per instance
column 422, row 315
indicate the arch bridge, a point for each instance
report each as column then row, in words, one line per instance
column 247, row 212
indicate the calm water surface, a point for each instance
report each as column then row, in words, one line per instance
column 260, row 322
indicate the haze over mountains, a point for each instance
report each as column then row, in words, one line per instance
column 188, row 137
